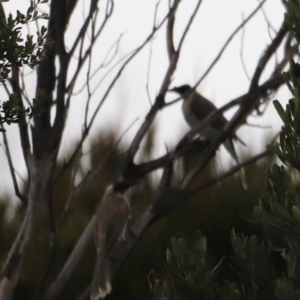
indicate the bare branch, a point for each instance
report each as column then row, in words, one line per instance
column 87, row 129
column 104, row 64
column 265, row 58
column 82, row 32
column 88, row 73
column 109, row 11
column 242, row 51
column 150, row 54
column 268, row 22
column 148, row 74
column 170, row 26
column 189, row 25
column 228, row 42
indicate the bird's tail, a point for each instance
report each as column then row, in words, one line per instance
column 101, row 285
column 230, row 148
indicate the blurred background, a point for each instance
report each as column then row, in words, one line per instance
column 218, row 211
column 129, row 102
column 215, row 211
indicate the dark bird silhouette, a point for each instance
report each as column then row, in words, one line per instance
column 195, row 109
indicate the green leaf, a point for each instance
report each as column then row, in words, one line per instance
column 282, row 211
column 238, row 247
column 252, row 247
column 279, row 110
column 296, row 213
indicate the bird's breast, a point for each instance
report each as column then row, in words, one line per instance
column 189, row 115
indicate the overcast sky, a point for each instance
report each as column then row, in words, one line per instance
column 216, row 20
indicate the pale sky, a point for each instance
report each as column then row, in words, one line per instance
column 215, row 21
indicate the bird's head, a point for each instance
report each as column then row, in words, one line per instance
column 181, row 90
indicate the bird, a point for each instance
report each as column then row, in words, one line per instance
column 111, row 221
column 195, row 109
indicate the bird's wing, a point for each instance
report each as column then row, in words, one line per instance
column 204, row 109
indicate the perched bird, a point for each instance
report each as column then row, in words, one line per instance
column 195, row 109
column 110, row 226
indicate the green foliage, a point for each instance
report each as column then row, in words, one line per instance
column 286, row 290
column 251, row 257
column 11, row 112
column 188, row 276
column 288, row 149
column 278, row 213
column 14, row 50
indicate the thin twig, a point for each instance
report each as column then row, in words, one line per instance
column 89, row 71
column 87, row 52
column 87, row 129
column 150, row 54
column 270, row 26
column 265, row 58
column 103, row 77
column 148, row 73
column 186, row 30
column 242, row 51
column 228, row 41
